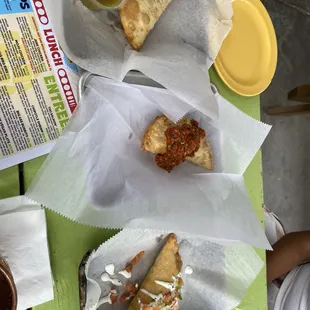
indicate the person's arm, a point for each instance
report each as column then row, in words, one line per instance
column 288, row 252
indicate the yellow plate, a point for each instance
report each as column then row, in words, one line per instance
column 248, row 57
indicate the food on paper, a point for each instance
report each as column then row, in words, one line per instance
column 130, row 291
column 125, row 273
column 131, row 287
column 188, row 270
column 110, row 299
column 138, row 17
column 125, row 297
column 106, row 278
column 134, row 261
column 110, row 269
column 175, row 143
column 162, row 285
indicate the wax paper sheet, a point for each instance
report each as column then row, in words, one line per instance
column 221, row 274
column 177, row 53
column 98, row 175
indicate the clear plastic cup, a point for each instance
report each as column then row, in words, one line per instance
column 98, row 5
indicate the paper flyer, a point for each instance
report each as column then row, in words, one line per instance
column 37, row 83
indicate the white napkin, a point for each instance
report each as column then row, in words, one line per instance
column 221, row 274
column 98, row 175
column 23, row 244
column 177, row 53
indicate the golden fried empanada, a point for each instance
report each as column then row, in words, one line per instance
column 154, row 141
column 167, row 265
column 138, row 17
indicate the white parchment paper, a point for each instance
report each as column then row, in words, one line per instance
column 98, row 175
column 177, row 53
column 221, row 274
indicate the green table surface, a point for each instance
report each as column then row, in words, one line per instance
column 69, row 241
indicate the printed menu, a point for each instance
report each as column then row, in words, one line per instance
column 36, row 82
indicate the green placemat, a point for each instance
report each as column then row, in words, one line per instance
column 69, row 241
column 256, row 296
column 9, row 182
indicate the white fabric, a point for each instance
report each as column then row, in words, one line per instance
column 271, row 234
column 294, row 291
column 270, row 227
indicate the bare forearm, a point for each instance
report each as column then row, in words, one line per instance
column 288, row 252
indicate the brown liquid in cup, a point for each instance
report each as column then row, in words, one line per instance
column 8, row 293
column 6, row 296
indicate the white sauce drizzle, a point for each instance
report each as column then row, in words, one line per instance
column 155, row 297
column 106, row 278
column 169, row 286
column 110, row 269
column 125, row 273
column 188, row 270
